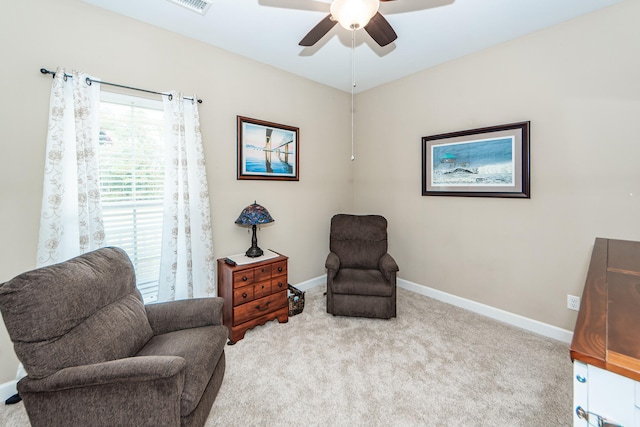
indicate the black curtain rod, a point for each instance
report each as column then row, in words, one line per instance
column 89, row 81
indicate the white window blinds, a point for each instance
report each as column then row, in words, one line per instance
column 132, row 181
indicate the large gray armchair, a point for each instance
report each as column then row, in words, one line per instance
column 97, row 356
column 361, row 275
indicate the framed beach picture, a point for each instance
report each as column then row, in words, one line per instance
column 485, row 162
column 267, row 150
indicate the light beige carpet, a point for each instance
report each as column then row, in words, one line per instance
column 434, row 365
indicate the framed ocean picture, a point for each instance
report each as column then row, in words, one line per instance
column 267, row 150
column 485, row 162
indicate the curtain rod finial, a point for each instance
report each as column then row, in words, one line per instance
column 45, row 71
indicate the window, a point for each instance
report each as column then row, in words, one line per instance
column 131, row 154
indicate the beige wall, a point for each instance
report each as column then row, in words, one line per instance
column 578, row 85
column 73, row 34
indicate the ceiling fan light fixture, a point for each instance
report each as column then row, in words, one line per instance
column 354, row 14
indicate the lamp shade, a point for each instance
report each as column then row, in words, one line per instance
column 354, row 14
column 254, row 214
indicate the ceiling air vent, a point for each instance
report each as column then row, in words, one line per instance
column 200, row 6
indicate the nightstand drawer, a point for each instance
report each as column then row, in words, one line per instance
column 242, row 295
column 262, row 289
column 279, row 284
column 279, row 268
column 262, row 273
column 243, row 278
column 259, row 307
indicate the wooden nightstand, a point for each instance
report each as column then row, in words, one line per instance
column 253, row 294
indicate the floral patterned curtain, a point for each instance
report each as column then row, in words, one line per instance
column 187, row 266
column 71, row 214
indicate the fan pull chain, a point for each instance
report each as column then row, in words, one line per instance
column 353, row 85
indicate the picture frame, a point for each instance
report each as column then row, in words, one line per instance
column 267, row 150
column 486, row 162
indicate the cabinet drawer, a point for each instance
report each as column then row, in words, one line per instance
column 279, row 284
column 242, row 295
column 243, row 278
column 262, row 273
column 259, row 307
column 262, row 289
column 279, row 268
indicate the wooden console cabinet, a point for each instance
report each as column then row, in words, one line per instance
column 253, row 294
column 606, row 344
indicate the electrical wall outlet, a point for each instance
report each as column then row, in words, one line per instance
column 573, row 302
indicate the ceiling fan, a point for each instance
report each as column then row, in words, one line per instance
column 353, row 15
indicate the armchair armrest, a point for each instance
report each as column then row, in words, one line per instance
column 332, row 264
column 184, row 314
column 388, row 266
column 121, row 371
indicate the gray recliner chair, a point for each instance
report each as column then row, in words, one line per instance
column 361, row 275
column 96, row 355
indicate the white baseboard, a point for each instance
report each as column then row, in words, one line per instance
column 311, row 283
column 532, row 325
column 495, row 313
column 8, row 389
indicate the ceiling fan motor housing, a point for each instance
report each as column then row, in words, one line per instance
column 354, row 14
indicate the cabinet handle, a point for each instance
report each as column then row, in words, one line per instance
column 266, row 306
column 581, row 379
column 244, row 278
column 244, row 295
column 582, row 414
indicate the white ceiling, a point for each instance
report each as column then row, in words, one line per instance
column 430, row 32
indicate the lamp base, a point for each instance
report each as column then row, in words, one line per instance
column 254, row 252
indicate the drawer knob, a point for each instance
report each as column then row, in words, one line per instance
column 244, row 295
column 279, row 269
column 262, row 269
column 280, row 285
column 262, row 286
column 244, row 278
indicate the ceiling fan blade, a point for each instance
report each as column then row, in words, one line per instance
column 380, row 30
column 318, row 31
